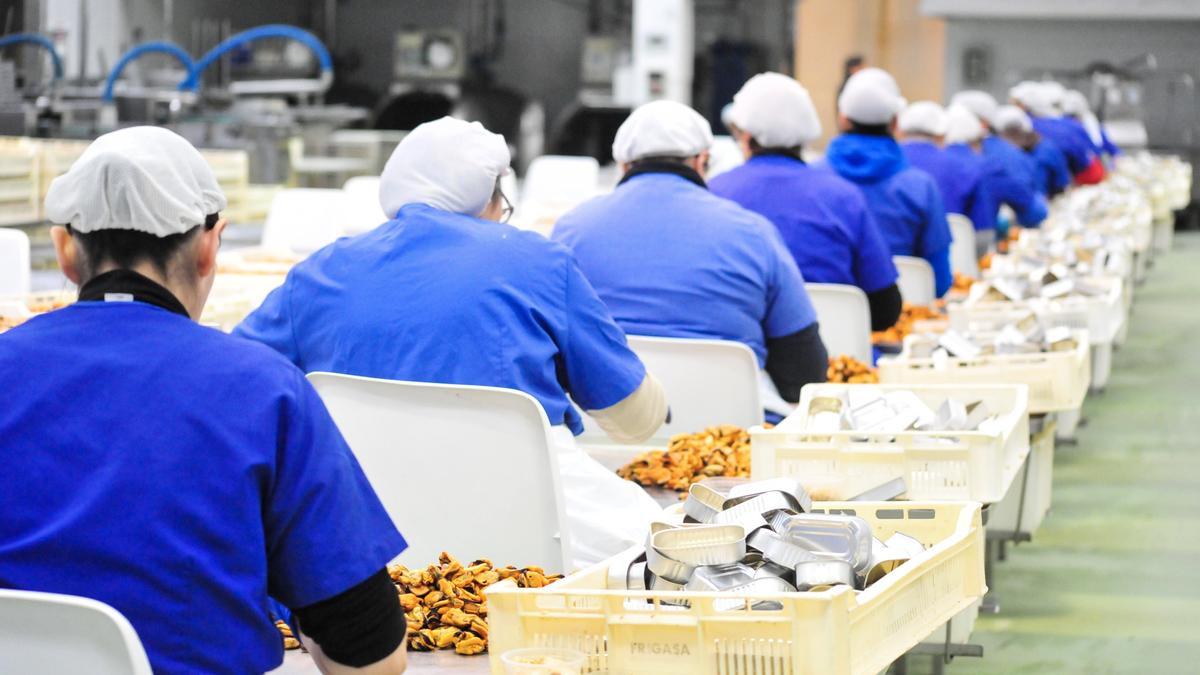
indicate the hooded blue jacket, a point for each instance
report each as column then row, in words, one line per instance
column 905, row 201
column 1014, row 179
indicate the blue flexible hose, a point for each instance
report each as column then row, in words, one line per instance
column 171, row 48
column 269, row 31
column 40, row 40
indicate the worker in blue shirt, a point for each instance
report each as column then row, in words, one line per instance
column 959, row 169
column 822, row 217
column 1051, row 171
column 444, row 293
column 1041, row 101
column 1077, row 109
column 904, row 200
column 670, row 259
column 193, row 472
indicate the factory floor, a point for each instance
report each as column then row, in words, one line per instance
column 1111, row 581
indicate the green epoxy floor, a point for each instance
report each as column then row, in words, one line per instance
column 1111, row 581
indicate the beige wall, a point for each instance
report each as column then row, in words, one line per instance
column 890, row 34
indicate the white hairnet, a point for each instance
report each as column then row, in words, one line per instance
column 1010, row 117
column 1038, row 98
column 146, row 179
column 776, row 111
column 661, row 129
column 1075, row 103
column 448, row 164
column 923, row 117
column 962, row 126
column 979, row 102
column 871, row 96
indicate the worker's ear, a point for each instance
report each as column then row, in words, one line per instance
column 843, row 122
column 892, row 126
column 700, row 163
column 207, row 246
column 66, row 252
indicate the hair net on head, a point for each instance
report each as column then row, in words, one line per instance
column 1037, row 98
column 923, row 117
column 448, row 164
column 1011, row 117
column 871, row 96
column 962, row 126
column 1075, row 103
column 146, row 179
column 979, row 102
column 661, row 129
column 776, row 111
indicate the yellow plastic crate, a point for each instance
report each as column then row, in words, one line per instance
column 1057, row 381
column 1102, row 316
column 839, row 631
column 979, row 466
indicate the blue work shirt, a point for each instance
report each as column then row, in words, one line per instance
column 180, row 475
column 822, row 217
column 1053, row 174
column 433, row 296
column 1071, row 139
column 670, row 259
column 959, row 173
column 1013, row 177
column 905, row 201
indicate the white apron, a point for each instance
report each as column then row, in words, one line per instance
column 606, row 514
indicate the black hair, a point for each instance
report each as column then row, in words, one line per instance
column 658, row 159
column 757, row 149
column 127, row 248
column 870, row 129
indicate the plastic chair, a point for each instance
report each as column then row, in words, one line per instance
column 707, row 382
column 962, row 249
column 464, row 469
column 52, row 633
column 365, row 213
column 844, row 318
column 724, row 155
column 303, row 220
column 917, row 284
column 14, row 262
column 559, row 182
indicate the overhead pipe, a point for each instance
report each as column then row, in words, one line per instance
column 192, row 83
column 39, row 40
column 137, row 52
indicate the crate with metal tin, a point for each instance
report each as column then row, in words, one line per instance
column 1055, row 364
column 759, row 580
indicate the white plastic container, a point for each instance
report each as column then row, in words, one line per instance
column 834, row 632
column 977, row 466
column 1056, row 380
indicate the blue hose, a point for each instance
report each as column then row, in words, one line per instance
column 150, row 47
column 270, row 31
column 41, row 40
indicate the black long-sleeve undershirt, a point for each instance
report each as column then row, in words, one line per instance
column 796, row 360
column 359, row 626
column 885, row 307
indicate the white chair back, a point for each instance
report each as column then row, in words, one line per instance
column 14, row 262
column 917, row 284
column 724, row 155
column 302, row 220
column 707, row 382
column 362, row 198
column 51, row 633
column 844, row 319
column 560, row 181
column 962, row 249
column 468, row 470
